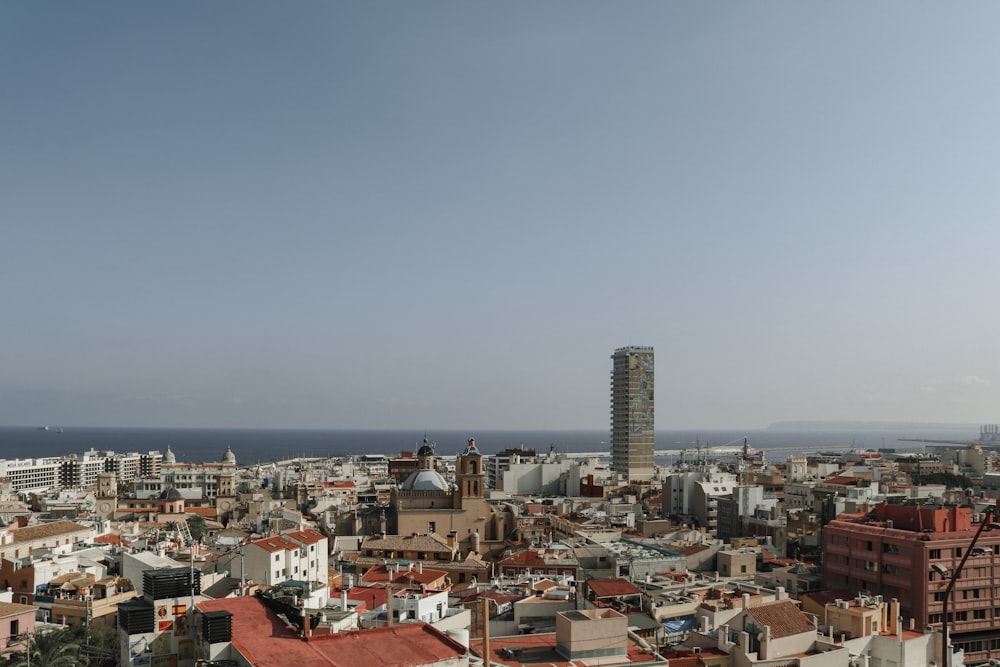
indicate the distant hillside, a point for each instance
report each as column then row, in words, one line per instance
column 870, row 426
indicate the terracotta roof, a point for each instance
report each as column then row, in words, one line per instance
column 605, row 588
column 265, row 640
column 380, row 574
column 14, row 609
column 203, row 512
column 430, row 543
column 783, row 617
column 693, row 549
column 308, row 536
column 276, row 543
column 44, row 530
column 540, row 649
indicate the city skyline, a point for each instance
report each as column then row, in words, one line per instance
column 337, row 215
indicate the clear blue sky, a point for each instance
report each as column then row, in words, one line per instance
column 449, row 214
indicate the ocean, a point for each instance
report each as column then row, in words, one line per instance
column 253, row 445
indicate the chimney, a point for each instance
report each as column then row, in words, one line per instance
column 343, row 599
column 745, row 642
column 703, row 624
column 782, row 595
column 420, row 567
column 746, row 600
column 723, row 637
column 388, row 606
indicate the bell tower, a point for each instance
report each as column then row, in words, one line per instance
column 107, row 495
column 470, row 477
column 225, row 495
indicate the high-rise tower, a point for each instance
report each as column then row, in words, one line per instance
column 632, row 412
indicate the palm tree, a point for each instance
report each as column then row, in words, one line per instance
column 49, row 649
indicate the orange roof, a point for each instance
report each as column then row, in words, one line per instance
column 265, row 640
column 543, row 646
column 44, row 530
column 783, row 617
column 380, row 574
column 204, row 512
column 308, row 536
column 276, row 543
column 604, row 588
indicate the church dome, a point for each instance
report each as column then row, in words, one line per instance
column 427, row 449
column 229, row 457
column 425, row 480
column 168, row 456
column 170, row 494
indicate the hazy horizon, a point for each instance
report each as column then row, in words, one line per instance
column 378, row 215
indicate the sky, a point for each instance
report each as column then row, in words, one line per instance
column 450, row 214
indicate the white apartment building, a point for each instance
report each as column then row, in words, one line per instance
column 294, row 555
column 72, row 471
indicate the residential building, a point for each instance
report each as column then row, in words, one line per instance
column 632, row 435
column 907, row 552
column 298, row 555
column 17, row 623
column 57, row 536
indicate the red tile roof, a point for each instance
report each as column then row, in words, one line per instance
column 204, row 512
column 266, row 641
column 605, row 588
column 783, row 617
column 45, row 530
column 380, row 574
column 308, row 536
column 276, row 543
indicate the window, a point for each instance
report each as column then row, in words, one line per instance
column 743, row 568
column 13, row 628
column 935, row 554
column 979, row 614
column 962, row 616
column 431, row 527
column 276, row 558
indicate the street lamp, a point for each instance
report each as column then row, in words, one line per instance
column 937, row 567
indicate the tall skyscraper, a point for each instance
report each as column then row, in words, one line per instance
column 632, row 412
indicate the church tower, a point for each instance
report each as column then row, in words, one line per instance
column 225, row 495
column 469, row 476
column 107, row 495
